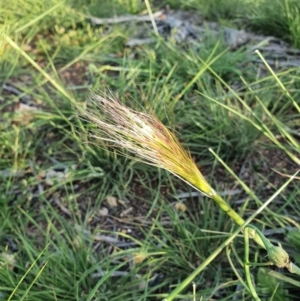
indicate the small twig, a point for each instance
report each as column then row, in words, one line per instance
column 284, row 174
column 126, row 211
column 40, row 187
column 22, row 95
column 127, row 18
column 184, row 195
column 140, row 220
column 275, row 62
column 105, row 238
column 12, row 89
column 113, row 274
column 138, row 42
column 63, row 208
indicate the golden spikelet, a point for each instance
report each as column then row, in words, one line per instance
column 143, row 135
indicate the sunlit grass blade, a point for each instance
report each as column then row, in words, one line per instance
column 27, row 272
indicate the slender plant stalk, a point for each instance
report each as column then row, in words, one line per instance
column 235, row 217
column 247, row 268
column 226, row 208
column 234, row 269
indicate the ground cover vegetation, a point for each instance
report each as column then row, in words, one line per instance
column 79, row 221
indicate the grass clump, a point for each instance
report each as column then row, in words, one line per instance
column 283, row 15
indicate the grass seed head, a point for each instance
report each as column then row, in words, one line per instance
column 143, row 135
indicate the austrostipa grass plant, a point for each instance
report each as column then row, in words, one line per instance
column 53, row 185
column 144, row 136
